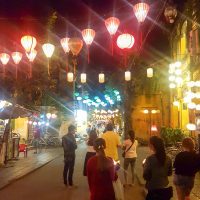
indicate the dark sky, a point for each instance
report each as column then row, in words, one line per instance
column 18, row 17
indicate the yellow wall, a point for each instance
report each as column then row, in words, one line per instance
column 21, row 127
column 141, row 121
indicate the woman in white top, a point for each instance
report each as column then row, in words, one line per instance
column 130, row 146
column 90, row 149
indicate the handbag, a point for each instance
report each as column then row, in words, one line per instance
column 124, row 153
column 118, row 189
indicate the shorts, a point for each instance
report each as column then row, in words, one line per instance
column 186, row 182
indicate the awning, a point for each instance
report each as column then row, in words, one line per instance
column 14, row 111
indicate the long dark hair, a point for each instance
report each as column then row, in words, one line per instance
column 131, row 134
column 92, row 138
column 99, row 146
column 159, row 148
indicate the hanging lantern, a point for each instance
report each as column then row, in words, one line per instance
column 150, row 72
column 31, row 55
column 88, row 36
column 125, row 41
column 28, row 42
column 4, row 57
column 64, row 43
column 70, row 77
column 141, row 10
column 48, row 49
column 75, row 45
column 170, row 14
column 83, row 78
column 16, row 56
column 101, row 78
column 112, row 24
column 127, row 76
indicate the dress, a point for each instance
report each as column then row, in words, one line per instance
column 100, row 182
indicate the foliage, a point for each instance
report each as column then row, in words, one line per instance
column 171, row 135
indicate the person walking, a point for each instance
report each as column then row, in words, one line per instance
column 90, row 149
column 130, row 155
column 186, row 164
column 101, row 173
column 112, row 140
column 156, row 169
column 69, row 147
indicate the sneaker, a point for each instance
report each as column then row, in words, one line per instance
column 131, row 185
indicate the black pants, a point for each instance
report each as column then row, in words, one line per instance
column 68, row 171
column 160, row 194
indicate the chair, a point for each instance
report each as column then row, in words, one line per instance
column 23, row 148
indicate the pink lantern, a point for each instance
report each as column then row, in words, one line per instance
column 125, row 41
column 141, row 10
column 28, row 42
column 154, row 128
column 16, row 56
column 88, row 37
column 112, row 24
column 65, row 45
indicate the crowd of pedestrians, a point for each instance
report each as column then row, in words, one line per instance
column 101, row 165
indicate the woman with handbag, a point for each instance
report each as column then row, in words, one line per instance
column 130, row 155
column 157, row 168
column 101, row 173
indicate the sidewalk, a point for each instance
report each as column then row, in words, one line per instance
column 143, row 153
column 19, row 168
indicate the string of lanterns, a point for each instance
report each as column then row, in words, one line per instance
column 75, row 44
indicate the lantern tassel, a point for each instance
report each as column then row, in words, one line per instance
column 4, row 71
column 30, row 68
column 48, row 67
column 16, row 74
column 88, row 57
column 112, row 45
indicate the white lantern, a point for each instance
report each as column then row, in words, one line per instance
column 127, row 76
column 70, row 77
column 83, row 78
column 191, row 105
column 191, row 127
column 101, row 78
column 48, row 49
column 64, row 44
column 31, row 55
column 172, row 85
column 150, row 72
column 16, row 56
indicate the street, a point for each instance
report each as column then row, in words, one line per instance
column 46, row 184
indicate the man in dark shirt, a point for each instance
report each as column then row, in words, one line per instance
column 69, row 146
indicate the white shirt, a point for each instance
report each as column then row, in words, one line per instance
column 131, row 153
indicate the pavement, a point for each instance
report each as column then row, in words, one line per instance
column 46, row 183
column 143, row 152
column 16, row 169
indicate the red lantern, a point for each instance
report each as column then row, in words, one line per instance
column 28, row 42
column 75, row 45
column 88, row 37
column 141, row 10
column 112, row 24
column 125, row 41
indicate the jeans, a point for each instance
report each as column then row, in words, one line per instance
column 68, row 171
column 128, row 161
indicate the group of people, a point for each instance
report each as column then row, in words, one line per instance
column 101, row 165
